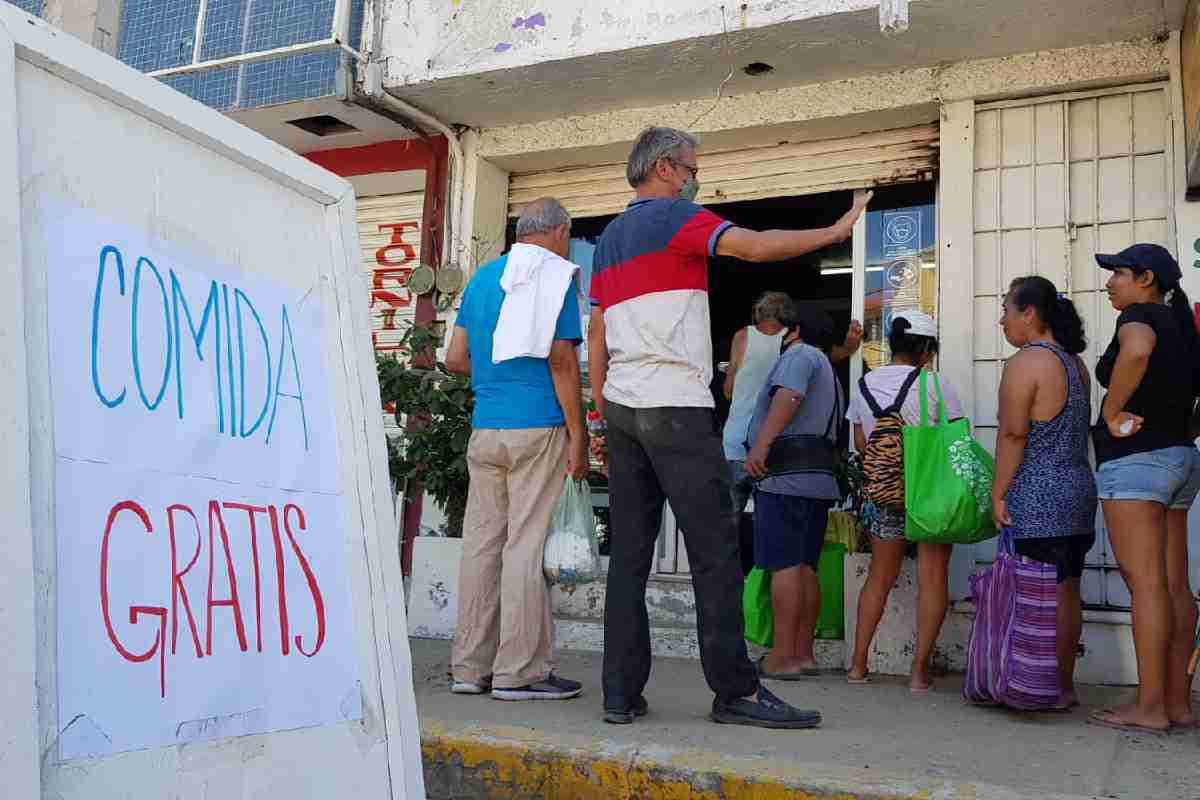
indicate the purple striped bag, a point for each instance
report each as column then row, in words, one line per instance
column 1011, row 656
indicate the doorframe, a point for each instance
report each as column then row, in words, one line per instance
column 858, row 289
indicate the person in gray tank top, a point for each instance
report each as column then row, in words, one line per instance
column 754, row 351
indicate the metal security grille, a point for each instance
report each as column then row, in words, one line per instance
column 237, row 54
column 34, row 7
column 1058, row 179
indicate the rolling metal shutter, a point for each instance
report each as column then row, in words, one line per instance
column 784, row 170
column 389, row 232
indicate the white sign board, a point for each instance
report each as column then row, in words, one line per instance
column 201, row 594
column 202, row 590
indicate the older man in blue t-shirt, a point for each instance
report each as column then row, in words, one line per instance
column 528, row 436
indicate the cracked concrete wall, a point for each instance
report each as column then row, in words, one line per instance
column 431, row 39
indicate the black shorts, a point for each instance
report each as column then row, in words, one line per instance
column 788, row 531
column 1067, row 553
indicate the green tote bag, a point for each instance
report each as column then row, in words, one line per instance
column 947, row 479
column 757, row 614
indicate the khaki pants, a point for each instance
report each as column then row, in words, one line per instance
column 504, row 625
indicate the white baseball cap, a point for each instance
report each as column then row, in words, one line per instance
column 919, row 323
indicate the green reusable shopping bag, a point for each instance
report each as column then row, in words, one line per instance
column 757, row 614
column 947, row 479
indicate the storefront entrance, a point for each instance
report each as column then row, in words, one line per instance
column 890, row 264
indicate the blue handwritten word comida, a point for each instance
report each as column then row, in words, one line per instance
column 229, row 317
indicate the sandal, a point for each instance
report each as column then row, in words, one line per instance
column 1104, row 720
column 864, row 680
column 784, row 676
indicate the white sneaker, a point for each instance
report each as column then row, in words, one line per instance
column 470, row 687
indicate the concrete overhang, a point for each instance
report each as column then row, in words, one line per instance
column 807, row 51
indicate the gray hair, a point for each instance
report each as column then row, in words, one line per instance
column 542, row 216
column 775, row 306
column 651, row 145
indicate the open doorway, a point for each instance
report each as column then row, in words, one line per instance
column 820, row 279
column 823, row 278
column 893, row 268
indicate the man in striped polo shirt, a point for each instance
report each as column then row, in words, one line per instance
column 650, row 355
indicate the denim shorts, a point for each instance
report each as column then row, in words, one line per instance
column 1170, row 477
column 887, row 523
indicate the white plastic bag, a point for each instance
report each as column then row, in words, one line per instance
column 572, row 555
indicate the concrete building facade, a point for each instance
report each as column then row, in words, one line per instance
column 1001, row 140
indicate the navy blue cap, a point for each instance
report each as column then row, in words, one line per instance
column 1150, row 257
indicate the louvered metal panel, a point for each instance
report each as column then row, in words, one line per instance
column 785, row 170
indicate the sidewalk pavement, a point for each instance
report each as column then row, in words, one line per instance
column 877, row 741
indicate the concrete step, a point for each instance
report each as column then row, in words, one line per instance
column 675, row 641
column 669, row 601
column 433, row 594
column 579, row 611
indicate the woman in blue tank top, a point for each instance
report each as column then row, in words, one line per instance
column 1044, row 490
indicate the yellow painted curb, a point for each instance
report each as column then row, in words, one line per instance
column 479, row 761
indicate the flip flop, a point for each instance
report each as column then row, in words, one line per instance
column 784, row 676
column 1098, row 718
column 920, row 689
column 863, row 681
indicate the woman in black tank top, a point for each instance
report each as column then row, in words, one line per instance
column 1148, row 476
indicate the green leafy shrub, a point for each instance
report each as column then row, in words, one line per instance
column 434, row 410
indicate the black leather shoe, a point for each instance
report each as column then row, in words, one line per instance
column 765, row 711
column 626, row 716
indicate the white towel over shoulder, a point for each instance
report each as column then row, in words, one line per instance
column 534, row 283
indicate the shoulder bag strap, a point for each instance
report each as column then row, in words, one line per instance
column 923, row 389
column 831, row 428
column 937, row 388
